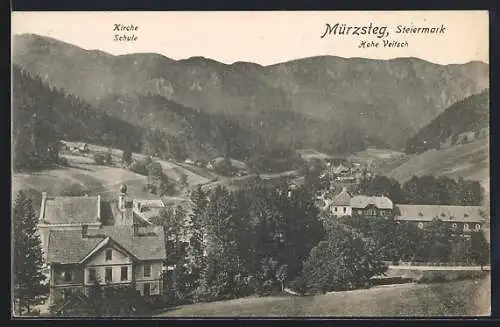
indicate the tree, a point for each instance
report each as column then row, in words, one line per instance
column 28, row 259
column 109, row 157
column 183, row 179
column 438, row 235
column 100, row 158
column 480, row 249
column 344, row 260
column 127, row 156
column 281, row 275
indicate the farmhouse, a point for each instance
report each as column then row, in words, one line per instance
column 110, row 256
column 75, row 146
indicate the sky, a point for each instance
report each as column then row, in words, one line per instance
column 266, row 37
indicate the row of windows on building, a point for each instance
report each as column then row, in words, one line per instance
column 477, row 227
column 368, row 212
column 108, row 274
column 71, row 291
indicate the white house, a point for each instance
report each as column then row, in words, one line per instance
column 340, row 205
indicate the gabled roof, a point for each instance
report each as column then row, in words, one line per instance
column 362, row 201
column 468, row 214
column 71, row 209
column 342, row 199
column 69, row 246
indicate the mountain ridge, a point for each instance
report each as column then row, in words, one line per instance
column 243, row 61
column 382, row 100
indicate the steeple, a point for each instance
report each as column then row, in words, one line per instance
column 122, row 199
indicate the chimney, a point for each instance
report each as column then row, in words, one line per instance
column 84, row 230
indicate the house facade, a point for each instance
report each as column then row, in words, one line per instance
column 110, row 256
column 340, row 205
column 462, row 219
column 371, row 206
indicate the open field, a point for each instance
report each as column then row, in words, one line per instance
column 381, row 160
column 103, row 180
column 94, row 178
column 470, row 161
column 461, row 298
column 308, row 154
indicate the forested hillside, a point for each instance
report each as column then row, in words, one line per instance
column 42, row 116
column 468, row 115
column 150, row 124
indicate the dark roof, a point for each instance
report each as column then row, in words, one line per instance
column 442, row 212
column 68, row 246
column 71, row 210
column 362, row 201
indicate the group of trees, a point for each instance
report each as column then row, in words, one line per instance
column 102, row 158
column 243, row 242
column 437, row 242
column 425, row 190
column 158, row 182
column 258, row 240
column 346, row 259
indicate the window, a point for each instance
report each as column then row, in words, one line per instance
column 147, row 270
column 420, row 225
column 454, row 225
column 466, row 226
column 109, row 254
column 477, row 227
column 92, row 275
column 345, row 209
column 147, row 289
column 335, row 209
column 371, row 212
column 124, row 274
column 108, row 274
column 67, row 275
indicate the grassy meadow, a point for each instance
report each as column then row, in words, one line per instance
column 459, row 298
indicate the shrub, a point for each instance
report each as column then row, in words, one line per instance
column 100, row 158
column 345, row 260
column 139, row 167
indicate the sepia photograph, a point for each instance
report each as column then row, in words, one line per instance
column 275, row 164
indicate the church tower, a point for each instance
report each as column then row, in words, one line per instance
column 122, row 199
